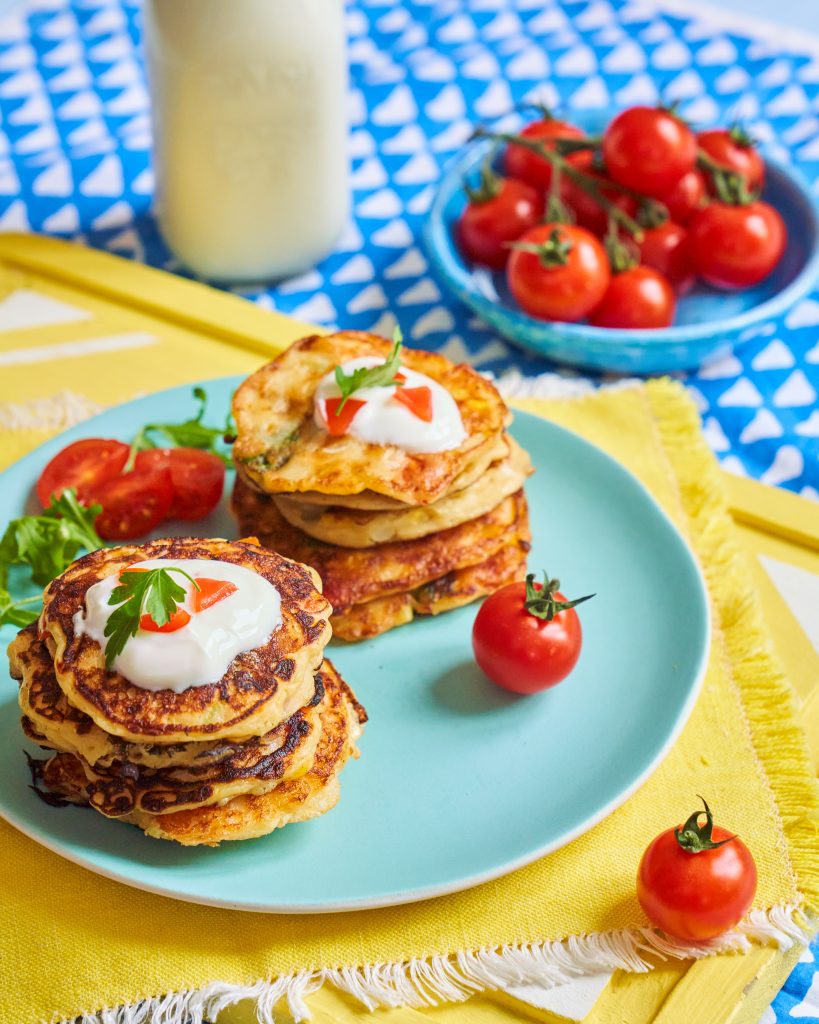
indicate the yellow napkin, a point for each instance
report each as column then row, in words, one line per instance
column 72, row 942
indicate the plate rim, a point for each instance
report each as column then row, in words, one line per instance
column 417, row 894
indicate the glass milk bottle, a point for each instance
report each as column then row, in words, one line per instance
column 249, row 108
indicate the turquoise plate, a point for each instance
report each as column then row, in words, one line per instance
column 458, row 782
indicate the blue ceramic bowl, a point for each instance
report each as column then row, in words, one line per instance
column 709, row 323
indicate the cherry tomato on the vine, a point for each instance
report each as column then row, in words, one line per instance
column 527, row 636
column 666, row 249
column 558, row 272
column 733, row 149
column 696, row 881
column 495, row 215
column 648, row 149
column 685, row 197
column 636, row 298
column 736, row 246
column 526, row 165
column 587, row 211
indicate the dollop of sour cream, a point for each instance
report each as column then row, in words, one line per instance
column 200, row 652
column 381, row 420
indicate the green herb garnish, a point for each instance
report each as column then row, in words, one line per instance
column 381, row 376
column 153, row 592
column 16, row 613
column 48, row 543
column 193, row 433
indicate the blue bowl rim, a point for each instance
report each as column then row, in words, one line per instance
column 436, row 232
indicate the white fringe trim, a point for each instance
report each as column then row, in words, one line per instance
column 451, row 979
column 514, row 384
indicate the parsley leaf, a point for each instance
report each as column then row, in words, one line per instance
column 193, row 433
column 380, row 376
column 15, row 613
column 48, row 543
column 153, row 592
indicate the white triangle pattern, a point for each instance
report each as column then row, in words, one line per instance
column 76, row 135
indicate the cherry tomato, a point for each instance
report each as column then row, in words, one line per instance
column 417, row 400
column 648, row 149
column 488, row 224
column 666, row 250
column 198, row 478
column 178, row 620
column 132, row 503
column 525, row 165
column 736, row 246
column 636, row 298
column 689, row 194
column 564, row 275
column 338, row 423
column 211, row 592
column 81, row 465
column 699, row 885
column 588, row 212
column 734, row 150
column 516, row 647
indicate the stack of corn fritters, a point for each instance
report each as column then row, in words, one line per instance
column 236, row 759
column 391, row 533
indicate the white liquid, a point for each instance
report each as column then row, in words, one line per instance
column 382, row 420
column 200, row 652
column 249, row 107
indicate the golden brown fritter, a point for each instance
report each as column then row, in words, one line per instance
column 457, row 588
column 356, row 528
column 280, row 448
column 50, row 721
column 353, row 576
column 261, row 687
column 247, row 816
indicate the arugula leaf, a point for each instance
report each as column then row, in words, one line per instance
column 15, row 613
column 48, row 543
column 153, row 592
column 193, row 433
column 372, row 377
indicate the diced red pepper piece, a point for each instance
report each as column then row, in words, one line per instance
column 417, row 400
column 178, row 620
column 338, row 423
column 211, row 592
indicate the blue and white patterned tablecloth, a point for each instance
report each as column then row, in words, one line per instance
column 74, row 161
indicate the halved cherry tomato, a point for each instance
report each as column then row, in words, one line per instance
column 686, row 196
column 487, row 225
column 666, row 250
column 338, row 423
column 211, row 592
column 636, row 298
column 648, row 149
column 178, row 620
column 563, row 277
column 417, row 400
column 526, row 165
column 588, row 212
column 198, row 478
column 733, row 149
column 132, row 503
column 736, row 246
column 697, row 881
column 81, row 465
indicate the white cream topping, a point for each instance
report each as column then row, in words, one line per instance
column 384, row 421
column 200, row 652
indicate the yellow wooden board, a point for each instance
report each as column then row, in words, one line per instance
column 147, row 330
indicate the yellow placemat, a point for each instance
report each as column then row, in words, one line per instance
column 105, row 945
